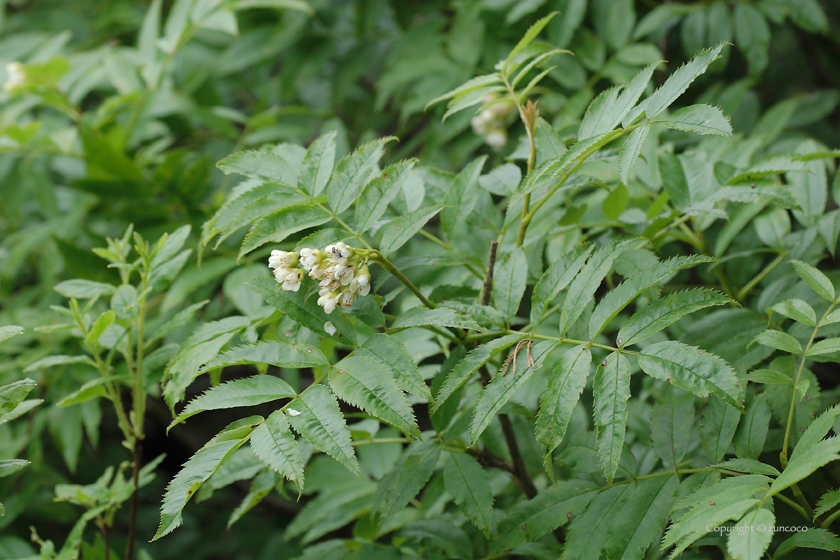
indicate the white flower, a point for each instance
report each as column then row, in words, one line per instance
column 293, row 412
column 496, row 139
column 280, row 274
column 328, row 301
column 361, row 282
column 346, row 299
column 330, row 328
column 310, row 258
column 341, row 252
column 480, row 124
column 292, row 280
column 17, row 76
column 282, row 259
column 346, row 274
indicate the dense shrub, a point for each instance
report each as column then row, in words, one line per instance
column 268, row 287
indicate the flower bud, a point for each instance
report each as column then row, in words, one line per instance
column 292, row 280
column 280, row 274
column 310, row 258
column 496, row 139
column 282, row 259
column 17, row 76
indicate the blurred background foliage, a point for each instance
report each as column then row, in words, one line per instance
column 112, row 127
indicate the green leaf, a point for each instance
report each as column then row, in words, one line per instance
column 265, row 166
column 826, row 346
column 509, row 281
column 91, row 390
column 249, row 391
column 353, row 173
column 80, row 289
column 400, row 230
column 611, row 390
column 797, row 310
column 99, row 327
column 471, row 99
column 583, row 287
column 599, row 116
column 752, row 35
column 658, row 315
column 469, row 486
column 442, row 535
column 670, row 428
column 692, row 369
column 199, row 349
column 718, row 424
column 505, row 384
column 642, row 512
column 818, row 281
column 565, row 385
column 768, row 376
column 619, row 298
column 679, row 81
column 378, row 194
column 273, row 352
column 616, row 202
column 11, row 466
column 302, row 309
column 274, row 445
column 752, row 535
column 280, row 224
column 440, row 317
column 462, row 196
column 827, row 502
column 10, row 331
column 772, row 166
column 816, row 538
column 170, row 245
column 750, row 466
column 52, row 361
column 724, row 507
column 630, row 151
column 587, row 535
column 317, row 165
column 556, row 278
column 701, row 119
column 13, row 394
column 526, row 40
column 475, row 359
column 367, row 384
column 408, row 477
column 752, row 431
column 465, row 88
column 20, row 409
column 315, row 415
column 391, row 352
column 778, row 340
column 811, row 453
column 530, row 520
column 199, row 468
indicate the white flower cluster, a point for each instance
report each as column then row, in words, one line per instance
column 16, row 76
column 342, row 275
column 491, row 123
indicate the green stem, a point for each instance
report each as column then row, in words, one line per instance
column 794, row 505
column 341, row 222
column 383, row 261
column 783, row 457
column 830, row 519
column 760, row 276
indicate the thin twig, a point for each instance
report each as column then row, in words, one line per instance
column 488, row 280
